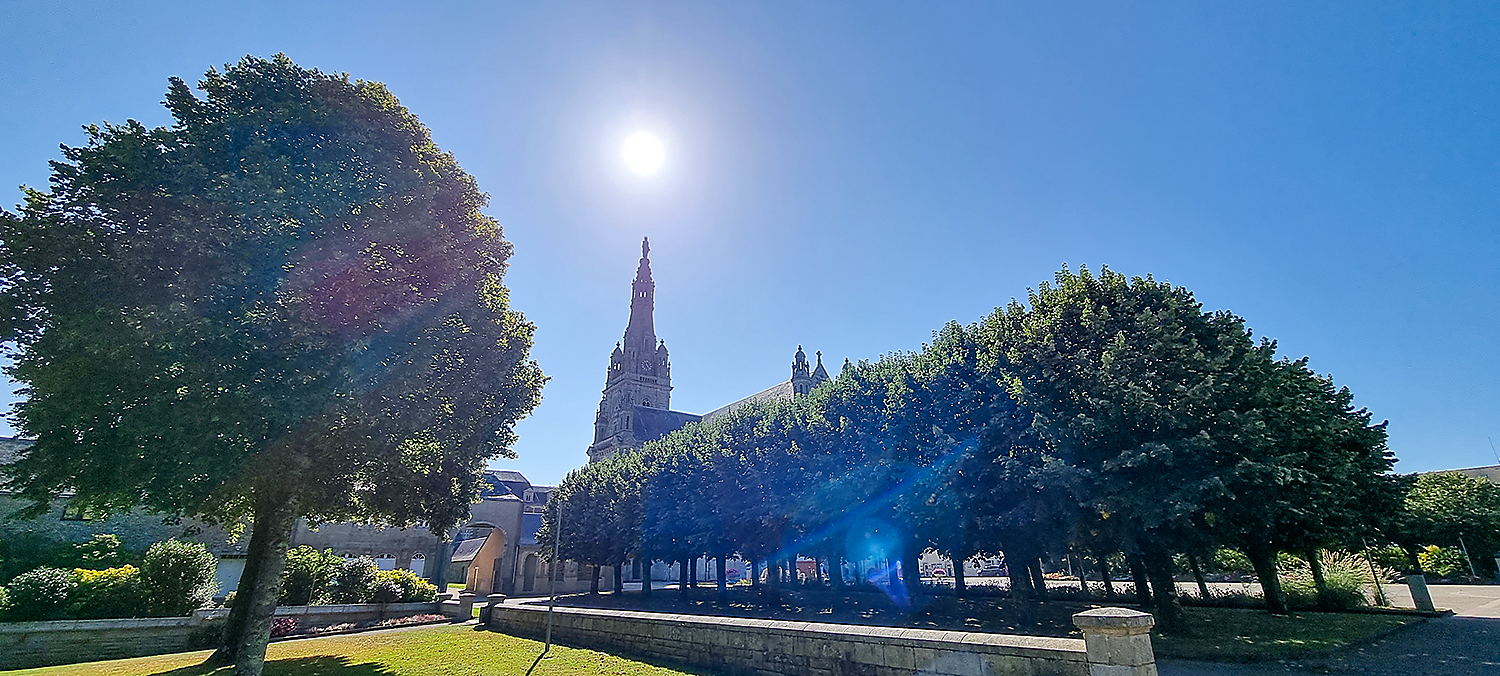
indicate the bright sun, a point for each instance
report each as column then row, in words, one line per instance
column 643, row 153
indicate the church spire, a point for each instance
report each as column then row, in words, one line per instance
column 641, row 331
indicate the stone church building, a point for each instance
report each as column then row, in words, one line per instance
column 637, row 403
column 636, row 406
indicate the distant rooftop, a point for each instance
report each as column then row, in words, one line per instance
column 1491, row 472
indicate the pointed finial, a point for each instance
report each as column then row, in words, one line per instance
column 820, row 356
column 645, row 247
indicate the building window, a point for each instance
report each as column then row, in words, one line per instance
column 385, row 562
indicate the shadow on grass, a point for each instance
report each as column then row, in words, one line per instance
column 321, row 665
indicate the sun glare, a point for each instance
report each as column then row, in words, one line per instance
column 643, row 153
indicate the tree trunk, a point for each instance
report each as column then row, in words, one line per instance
column 958, row 570
column 693, row 573
column 1020, row 578
column 721, row 583
column 836, row 573
column 1164, row 588
column 1109, row 584
column 234, row 626
column 911, row 569
column 1413, row 562
column 755, row 574
column 682, row 578
column 279, row 516
column 1138, row 576
column 1263, row 558
column 1038, row 579
column 619, row 578
column 1315, row 562
column 594, row 581
column 645, row 561
column 1198, row 576
column 444, row 559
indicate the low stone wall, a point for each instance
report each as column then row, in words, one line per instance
column 753, row 647
column 39, row 644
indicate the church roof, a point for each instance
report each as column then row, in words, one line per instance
column 650, row 424
column 781, row 390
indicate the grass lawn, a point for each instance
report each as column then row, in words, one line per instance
column 1232, row 634
column 444, row 650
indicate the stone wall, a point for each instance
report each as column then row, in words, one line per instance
column 39, row 644
column 753, row 647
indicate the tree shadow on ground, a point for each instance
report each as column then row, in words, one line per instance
column 319, row 665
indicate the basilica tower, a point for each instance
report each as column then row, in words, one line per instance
column 637, row 397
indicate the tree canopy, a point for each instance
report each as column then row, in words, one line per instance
column 1105, row 414
column 287, row 303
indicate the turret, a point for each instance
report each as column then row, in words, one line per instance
column 802, row 382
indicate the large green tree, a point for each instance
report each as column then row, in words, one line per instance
column 286, row 303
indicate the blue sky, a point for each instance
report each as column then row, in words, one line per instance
column 849, row 176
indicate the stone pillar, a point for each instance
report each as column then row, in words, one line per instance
column 1419, row 594
column 1118, row 641
column 466, row 605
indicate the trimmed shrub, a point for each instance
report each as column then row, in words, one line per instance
column 1391, row 557
column 401, row 586
column 178, row 577
column 101, row 552
column 353, row 581
column 40, row 594
column 112, row 592
column 4, row 602
column 307, row 576
column 1231, row 562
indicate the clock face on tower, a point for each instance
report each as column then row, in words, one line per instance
column 645, row 366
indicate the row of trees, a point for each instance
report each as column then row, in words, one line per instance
column 1106, row 414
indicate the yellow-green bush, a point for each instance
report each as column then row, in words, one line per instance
column 112, row 592
column 401, row 586
column 1443, row 561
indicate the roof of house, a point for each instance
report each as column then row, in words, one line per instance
column 650, row 424
column 11, row 447
column 779, row 391
column 465, row 550
column 530, row 524
column 1491, row 472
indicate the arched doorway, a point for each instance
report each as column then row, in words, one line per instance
column 528, row 573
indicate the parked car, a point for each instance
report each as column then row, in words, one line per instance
column 992, row 571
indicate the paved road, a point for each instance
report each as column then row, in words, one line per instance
column 1467, row 644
